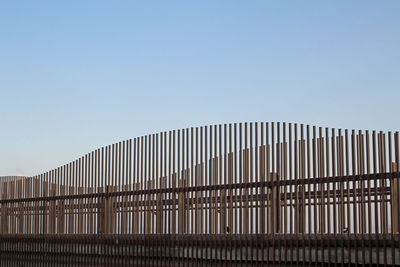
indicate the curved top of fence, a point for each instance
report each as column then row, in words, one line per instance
column 269, row 132
column 221, row 170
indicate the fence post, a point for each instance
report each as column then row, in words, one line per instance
column 52, row 211
column 299, row 219
column 4, row 219
column 61, row 212
column 173, row 207
column 71, row 206
column 90, row 210
column 80, row 211
column 124, row 210
column 395, row 199
column 181, row 209
column 274, row 213
column 20, row 208
column 108, row 212
column 44, row 214
column 159, row 214
column 101, row 206
column 148, row 209
column 137, row 209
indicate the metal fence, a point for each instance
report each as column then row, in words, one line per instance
column 290, row 192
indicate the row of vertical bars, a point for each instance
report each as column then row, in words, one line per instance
column 170, row 168
column 191, row 250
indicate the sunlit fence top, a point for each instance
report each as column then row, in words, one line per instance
column 275, row 178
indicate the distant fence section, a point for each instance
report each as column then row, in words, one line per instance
column 290, row 192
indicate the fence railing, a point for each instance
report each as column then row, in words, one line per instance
column 242, row 178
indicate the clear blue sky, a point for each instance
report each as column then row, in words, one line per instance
column 77, row 75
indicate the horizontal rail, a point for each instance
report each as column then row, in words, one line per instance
column 253, row 185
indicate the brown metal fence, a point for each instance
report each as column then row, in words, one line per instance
column 287, row 192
